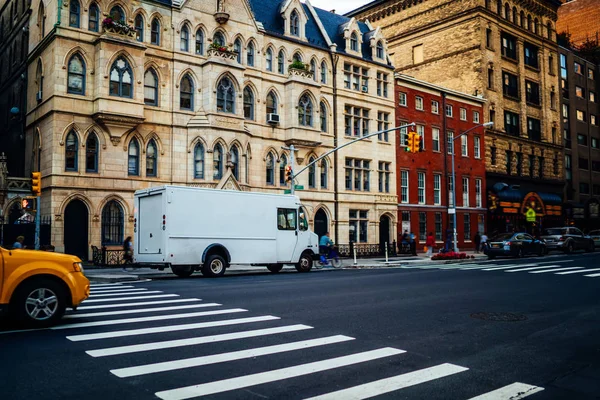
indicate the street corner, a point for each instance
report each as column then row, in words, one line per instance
column 115, row 278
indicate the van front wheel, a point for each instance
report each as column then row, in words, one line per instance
column 214, row 266
column 305, row 263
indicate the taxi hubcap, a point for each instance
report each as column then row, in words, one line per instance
column 41, row 304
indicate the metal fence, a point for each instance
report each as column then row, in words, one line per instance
column 367, row 249
column 103, row 257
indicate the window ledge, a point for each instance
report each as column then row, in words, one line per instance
column 511, row 60
column 508, row 96
column 533, row 105
column 531, row 68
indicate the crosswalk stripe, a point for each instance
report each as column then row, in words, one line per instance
column 95, row 285
column 394, row 383
column 224, row 357
column 139, row 310
column 154, row 296
column 168, row 328
column 514, row 391
column 526, row 265
column 578, row 272
column 593, row 275
column 274, row 375
column 169, row 344
column 117, row 290
column 93, row 296
column 143, row 303
column 553, row 270
column 533, row 268
column 148, row 319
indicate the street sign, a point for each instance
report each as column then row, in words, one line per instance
column 299, row 187
column 451, row 211
column 287, row 191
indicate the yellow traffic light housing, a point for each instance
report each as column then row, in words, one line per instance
column 410, row 142
column 288, row 173
column 36, row 183
column 417, row 144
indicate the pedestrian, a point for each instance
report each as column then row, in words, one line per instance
column 127, row 252
column 19, row 243
column 413, row 244
column 430, row 242
column 477, row 241
column 484, row 240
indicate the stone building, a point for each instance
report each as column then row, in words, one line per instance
column 581, row 19
column 507, row 51
column 129, row 95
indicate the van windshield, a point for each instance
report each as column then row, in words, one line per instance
column 302, row 220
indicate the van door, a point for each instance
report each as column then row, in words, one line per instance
column 150, row 224
column 304, row 235
column 287, row 234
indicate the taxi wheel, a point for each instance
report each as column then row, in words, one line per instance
column 39, row 303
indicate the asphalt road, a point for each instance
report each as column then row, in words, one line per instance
column 423, row 332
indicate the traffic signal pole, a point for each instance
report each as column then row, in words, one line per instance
column 38, row 211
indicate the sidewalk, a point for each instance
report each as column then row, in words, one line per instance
column 116, row 274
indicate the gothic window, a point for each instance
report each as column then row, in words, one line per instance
column 515, row 16
column 312, row 171
column 186, row 93
column 199, row 161
column 93, row 17
column 76, row 75
column 323, row 174
column 270, row 172
column 353, row 42
column 71, row 152
column 305, row 111
column 522, row 19
column 379, row 49
column 250, row 55
column 271, row 103
column 323, row 72
column 39, row 79
column 151, row 158
column 219, row 39
column 282, row 165
column 280, row 65
column 121, row 79
column 150, row 88
column 218, row 162
column 507, row 12
column 313, row 68
column 139, row 28
column 42, row 20
column 225, row 96
column 323, row 116
column 155, row 32
column 91, row 153
column 133, row 158
column 74, row 13
column 200, row 41
column 184, row 39
column 535, row 26
column 248, row 103
column 269, row 59
column 112, row 223
column 117, row 14
column 237, row 48
column 297, row 57
column 294, row 23
column 235, row 160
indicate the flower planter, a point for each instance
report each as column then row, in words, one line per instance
column 222, row 52
column 117, row 27
column 300, row 72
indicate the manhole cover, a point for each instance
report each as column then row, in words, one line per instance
column 499, row 316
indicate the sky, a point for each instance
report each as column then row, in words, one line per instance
column 340, row 6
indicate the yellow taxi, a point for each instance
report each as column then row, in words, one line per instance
column 37, row 286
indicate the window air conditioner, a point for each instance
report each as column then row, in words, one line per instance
column 365, row 89
column 38, row 96
column 273, row 118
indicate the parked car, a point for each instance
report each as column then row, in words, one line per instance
column 514, row 244
column 595, row 235
column 567, row 239
column 37, row 286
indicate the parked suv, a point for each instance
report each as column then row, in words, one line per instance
column 567, row 239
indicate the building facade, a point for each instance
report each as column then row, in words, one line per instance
column 424, row 179
column 580, row 119
column 580, row 18
column 506, row 51
column 129, row 95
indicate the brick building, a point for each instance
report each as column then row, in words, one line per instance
column 580, row 18
column 424, row 179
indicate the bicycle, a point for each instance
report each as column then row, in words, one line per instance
column 333, row 256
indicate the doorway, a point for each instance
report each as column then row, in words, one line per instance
column 321, row 223
column 76, row 229
column 384, row 231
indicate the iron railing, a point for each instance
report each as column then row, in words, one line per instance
column 104, row 257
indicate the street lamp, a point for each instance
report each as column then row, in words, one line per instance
column 485, row 125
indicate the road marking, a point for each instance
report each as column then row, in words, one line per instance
column 95, row 285
column 532, row 268
column 125, row 293
column 514, row 391
column 147, row 319
column 526, row 265
column 553, row 270
column 226, row 385
column 140, row 310
column 132, row 298
column 224, row 357
column 143, row 303
column 394, row 383
column 578, row 272
column 592, row 275
column 168, row 328
column 116, row 290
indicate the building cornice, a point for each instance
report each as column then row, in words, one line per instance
column 409, row 79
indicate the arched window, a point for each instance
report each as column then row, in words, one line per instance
column 200, row 41
column 379, row 49
column 219, row 38
column 42, row 20
column 313, row 69
column 155, row 32
column 235, row 161
column 270, row 170
column 250, row 54
column 150, row 88
column 133, row 158
column 199, row 161
column 549, row 30
column 269, row 58
column 248, row 103
column 312, row 171
column 139, row 28
column 121, row 78
column 499, row 7
column 282, row 165
column 76, row 75
column 271, row 103
column 529, row 23
column 71, row 152
column 515, row 16
column 93, row 18
column 535, row 26
column 522, row 19
column 323, row 72
column 225, row 96
column 184, row 39
column 91, row 153
column 218, row 162
column 237, row 47
column 305, row 109
column 186, row 93
column 151, row 158
column 280, row 64
column 112, row 223
column 323, row 116
column 323, row 174
column 297, row 57
column 39, row 79
column 353, row 42
column 294, row 23
column 507, row 12
column 117, row 14
column 74, row 13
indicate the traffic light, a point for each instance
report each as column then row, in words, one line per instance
column 36, row 183
column 410, row 142
column 26, row 204
column 288, row 173
column 417, row 144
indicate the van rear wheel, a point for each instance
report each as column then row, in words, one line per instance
column 275, row 267
column 215, row 265
column 183, row 271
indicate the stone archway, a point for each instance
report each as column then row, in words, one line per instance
column 384, row 231
column 76, row 229
column 321, row 222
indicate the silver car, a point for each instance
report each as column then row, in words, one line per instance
column 595, row 235
column 567, row 239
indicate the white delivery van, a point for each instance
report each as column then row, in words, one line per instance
column 189, row 229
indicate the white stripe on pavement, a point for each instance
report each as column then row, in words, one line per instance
column 578, row 272
column 226, row 385
column 125, row 293
column 526, row 265
column 143, row 303
column 553, row 270
column 95, row 285
column 168, row 328
column 169, row 344
column 140, row 310
column 147, row 319
column 154, row 296
column 514, row 391
column 592, row 275
column 533, row 268
column 224, row 357
column 116, row 290
column 394, row 383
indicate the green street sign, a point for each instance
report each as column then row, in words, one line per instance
column 299, row 187
column 287, row 191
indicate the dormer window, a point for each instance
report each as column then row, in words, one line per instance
column 295, row 23
column 353, row 42
column 379, row 50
